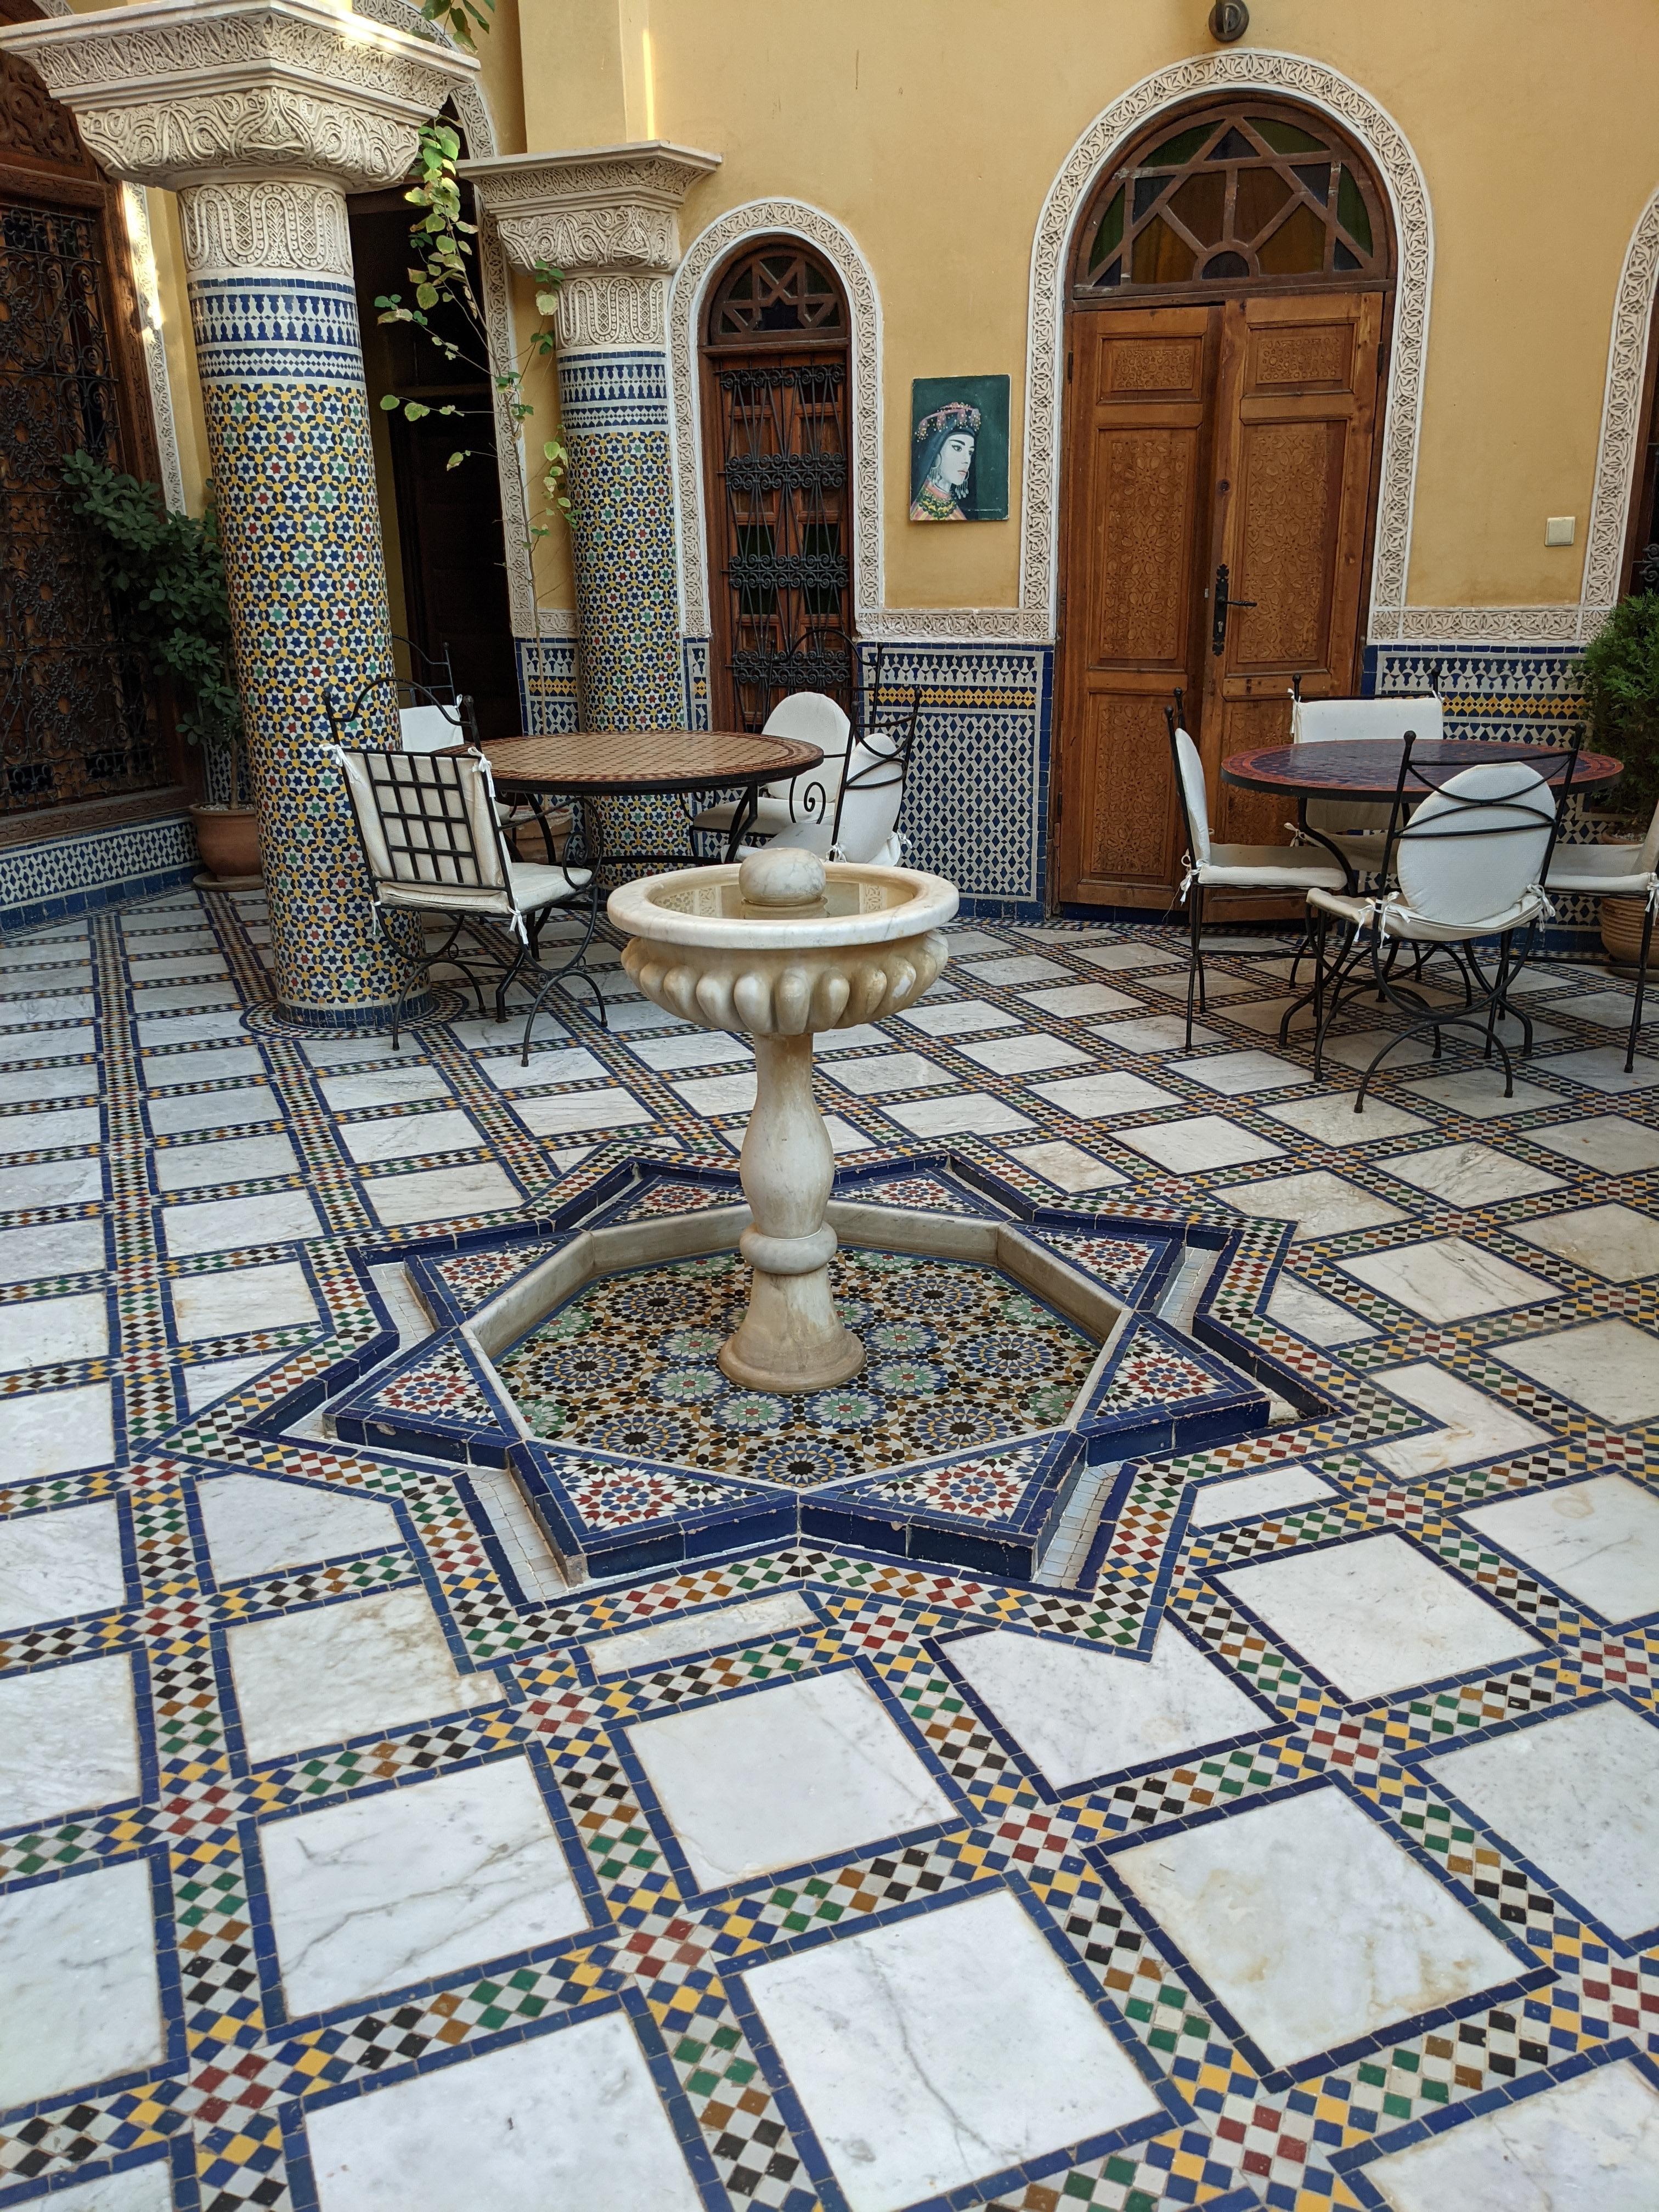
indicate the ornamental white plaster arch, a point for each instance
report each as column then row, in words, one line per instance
column 702, row 259
column 1615, row 455
column 1246, row 70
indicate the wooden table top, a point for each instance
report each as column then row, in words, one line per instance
column 645, row 760
column 1369, row 768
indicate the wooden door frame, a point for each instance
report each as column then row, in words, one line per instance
column 1060, row 723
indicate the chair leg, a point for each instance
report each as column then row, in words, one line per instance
column 1195, row 954
column 1641, row 983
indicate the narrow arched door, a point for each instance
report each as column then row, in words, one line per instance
column 1228, row 317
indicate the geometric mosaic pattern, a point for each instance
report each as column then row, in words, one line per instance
column 1338, row 1646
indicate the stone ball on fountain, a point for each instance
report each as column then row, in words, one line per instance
column 783, row 879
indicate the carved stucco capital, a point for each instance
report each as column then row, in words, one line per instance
column 608, row 218
column 183, row 92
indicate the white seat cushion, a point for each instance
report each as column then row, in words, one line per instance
column 1271, row 868
column 1613, row 870
column 535, row 882
column 770, row 814
column 1398, row 920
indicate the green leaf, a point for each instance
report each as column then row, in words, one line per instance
column 414, row 412
column 390, row 402
column 428, row 295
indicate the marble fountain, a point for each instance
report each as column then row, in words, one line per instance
column 669, row 1370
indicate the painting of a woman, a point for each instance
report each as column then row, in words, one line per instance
column 942, row 462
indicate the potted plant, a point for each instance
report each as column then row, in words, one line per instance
column 164, row 574
column 1619, row 671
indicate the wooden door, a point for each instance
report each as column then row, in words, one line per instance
column 1238, row 434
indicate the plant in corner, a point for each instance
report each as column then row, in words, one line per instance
column 1619, row 671
column 165, row 575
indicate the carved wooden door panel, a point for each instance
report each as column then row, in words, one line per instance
column 1139, row 423
column 1296, row 403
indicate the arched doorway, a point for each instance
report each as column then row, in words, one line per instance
column 1227, row 313
column 776, row 467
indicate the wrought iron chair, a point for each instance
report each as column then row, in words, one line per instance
column 1469, row 863
column 1357, row 827
column 1616, row 871
column 1232, row 867
column 851, row 813
column 432, row 843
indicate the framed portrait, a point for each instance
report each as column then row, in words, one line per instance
column 959, row 449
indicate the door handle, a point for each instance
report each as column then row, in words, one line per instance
column 1219, row 624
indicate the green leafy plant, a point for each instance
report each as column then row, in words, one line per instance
column 164, row 574
column 458, row 17
column 441, row 239
column 1619, row 671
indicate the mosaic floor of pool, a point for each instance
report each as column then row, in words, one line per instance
column 957, row 1355
column 1295, row 1844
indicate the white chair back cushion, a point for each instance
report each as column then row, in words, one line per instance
column 1345, row 721
column 429, row 729
column 869, row 809
column 1470, row 850
column 429, row 822
column 1196, row 797
column 810, row 718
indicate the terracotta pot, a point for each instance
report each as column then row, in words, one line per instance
column 1621, row 934
column 228, row 839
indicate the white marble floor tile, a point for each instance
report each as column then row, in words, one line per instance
column 230, row 1159
column 1079, row 1711
column 857, row 1037
column 189, row 1029
column 701, row 1049
column 961, row 1114
column 664, row 1641
column 583, row 1110
column 331, row 1672
column 162, row 1070
column 1610, row 1366
column 405, row 1884
column 1599, row 1539
column 147, row 2188
column 39, row 1133
column 1613, row 1241
column 1096, row 1097
column 777, row 1777
column 1070, row 1002
column 1603, row 1068
column 1019, row 968
column 1154, row 1033
column 1608, row 1009
column 51, row 1248
column 204, row 1385
column 575, row 1064
column 29, row 1085
column 1447, row 1278
column 1320, row 1204
column 439, row 1193
column 1265, row 1016
column 56, row 1431
column 1469, row 1175
column 1470, row 1426
column 257, row 1523
column 1067, row 1166
column 1478, row 1093
column 959, row 1017
column 630, row 1015
column 1330, row 1119
column 44, row 1331
column 213, row 1110
column 1313, row 1926
column 220, row 1224
column 1198, row 1142
column 383, row 1086
column 404, row 1136
column 149, row 965
column 1579, row 1797
column 226, row 1302
column 1275, row 1491
column 1606, row 1140
column 1236, row 1073
column 913, row 2084
column 892, row 1071
column 1587, row 2145
column 353, row 1051
column 171, row 998
column 1376, row 1615
column 565, row 2123
column 69, row 1740
column 1321, row 1320
column 48, row 1043
column 722, row 1094
column 1023, row 1055
column 1218, row 984
column 1119, row 959
column 77, row 1964
column 53, row 1182
column 1357, row 1049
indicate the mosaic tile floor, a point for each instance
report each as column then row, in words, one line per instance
column 1291, row 1840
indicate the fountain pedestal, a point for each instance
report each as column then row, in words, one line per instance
column 783, row 946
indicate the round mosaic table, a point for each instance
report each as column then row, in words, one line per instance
column 648, row 763
column 1369, row 768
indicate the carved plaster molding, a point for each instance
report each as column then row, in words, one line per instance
column 1430, row 626
column 703, row 258
column 1240, row 69
column 608, row 217
column 141, row 250
column 248, row 227
column 1615, row 457
column 177, row 92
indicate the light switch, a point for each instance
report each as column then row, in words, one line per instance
column 1559, row 529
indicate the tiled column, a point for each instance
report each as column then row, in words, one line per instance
column 262, row 114
column 609, row 220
